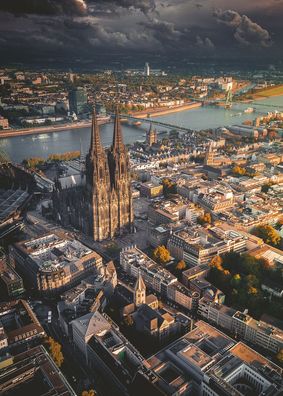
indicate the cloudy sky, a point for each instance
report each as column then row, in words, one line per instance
column 99, row 30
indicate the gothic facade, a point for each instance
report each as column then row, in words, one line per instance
column 100, row 203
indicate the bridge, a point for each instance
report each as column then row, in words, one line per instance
column 228, row 101
column 157, row 123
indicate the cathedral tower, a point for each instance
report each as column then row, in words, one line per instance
column 97, row 186
column 98, row 203
column 121, row 214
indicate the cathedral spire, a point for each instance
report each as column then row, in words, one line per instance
column 95, row 142
column 117, row 137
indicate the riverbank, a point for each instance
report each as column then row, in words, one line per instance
column 87, row 124
column 268, row 93
column 49, row 129
column 161, row 111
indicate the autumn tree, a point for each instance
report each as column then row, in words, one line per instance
column 33, row 162
column 161, row 254
column 55, row 351
column 205, row 219
column 181, row 265
column 238, row 171
column 216, row 262
column 88, row 393
column 267, row 233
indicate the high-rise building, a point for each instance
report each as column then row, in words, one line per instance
column 146, row 69
column 78, row 100
column 151, row 136
column 100, row 202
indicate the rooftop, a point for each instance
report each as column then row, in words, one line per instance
column 52, row 252
column 10, row 202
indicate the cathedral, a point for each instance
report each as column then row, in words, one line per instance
column 98, row 201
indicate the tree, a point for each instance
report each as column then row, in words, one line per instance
column 238, row 171
column 128, row 320
column 236, row 280
column 161, row 254
column 216, row 262
column 55, row 350
column 181, row 265
column 279, row 356
column 266, row 187
column 279, row 223
column 267, row 233
column 88, row 393
column 169, row 187
column 205, row 219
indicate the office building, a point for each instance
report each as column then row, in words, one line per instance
column 198, row 245
column 147, row 69
column 51, row 264
column 33, row 372
column 78, row 100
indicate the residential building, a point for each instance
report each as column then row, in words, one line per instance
column 10, row 280
column 242, row 325
column 135, row 262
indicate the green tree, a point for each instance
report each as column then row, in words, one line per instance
column 279, row 356
column 268, row 234
column 161, row 254
column 169, row 187
column 236, row 280
column 266, row 187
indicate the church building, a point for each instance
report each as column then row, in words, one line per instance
column 99, row 201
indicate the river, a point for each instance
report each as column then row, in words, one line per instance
column 42, row 145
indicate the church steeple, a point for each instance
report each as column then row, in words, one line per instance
column 140, row 291
column 118, row 144
column 95, row 142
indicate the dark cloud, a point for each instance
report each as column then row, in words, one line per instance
column 177, row 29
column 44, row 7
column 246, row 32
column 205, row 43
column 163, row 31
column 145, row 6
